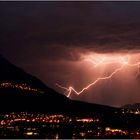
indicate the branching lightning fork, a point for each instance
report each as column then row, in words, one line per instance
column 121, row 60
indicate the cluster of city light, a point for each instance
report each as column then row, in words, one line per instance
column 131, row 111
column 30, row 133
column 31, row 117
column 108, row 129
column 23, row 86
column 8, row 119
column 88, row 120
column 120, row 61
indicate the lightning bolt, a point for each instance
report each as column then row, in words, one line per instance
column 123, row 61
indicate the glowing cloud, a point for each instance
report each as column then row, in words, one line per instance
column 121, row 61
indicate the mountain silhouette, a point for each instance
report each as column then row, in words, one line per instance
column 19, row 99
column 20, row 91
column 12, row 73
column 135, row 106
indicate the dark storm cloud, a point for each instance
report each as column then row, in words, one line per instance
column 55, row 28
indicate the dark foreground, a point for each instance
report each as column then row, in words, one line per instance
column 39, row 125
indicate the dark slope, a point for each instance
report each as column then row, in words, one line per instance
column 26, row 100
column 12, row 73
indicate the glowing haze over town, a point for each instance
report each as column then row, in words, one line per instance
column 86, row 51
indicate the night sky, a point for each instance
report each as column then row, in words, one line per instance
column 47, row 39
